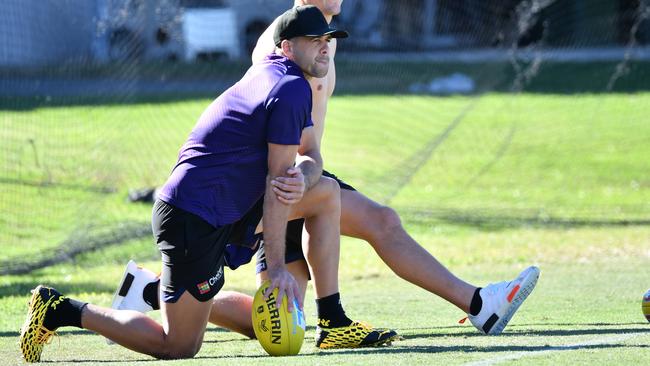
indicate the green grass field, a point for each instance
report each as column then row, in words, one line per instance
column 489, row 184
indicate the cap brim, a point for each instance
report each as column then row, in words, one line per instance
column 335, row 33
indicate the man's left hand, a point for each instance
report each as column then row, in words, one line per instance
column 290, row 189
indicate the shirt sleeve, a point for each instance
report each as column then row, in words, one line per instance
column 289, row 105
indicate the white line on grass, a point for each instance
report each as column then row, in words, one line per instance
column 568, row 347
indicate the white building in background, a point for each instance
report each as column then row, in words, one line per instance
column 181, row 29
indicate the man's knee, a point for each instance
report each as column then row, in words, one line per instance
column 323, row 198
column 185, row 352
column 172, row 352
column 330, row 185
column 386, row 219
column 330, row 190
column 169, row 348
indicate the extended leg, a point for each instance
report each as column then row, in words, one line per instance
column 489, row 309
column 381, row 227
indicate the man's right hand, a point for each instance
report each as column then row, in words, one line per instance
column 285, row 283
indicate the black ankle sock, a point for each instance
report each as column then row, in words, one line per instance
column 330, row 312
column 150, row 294
column 65, row 313
column 476, row 304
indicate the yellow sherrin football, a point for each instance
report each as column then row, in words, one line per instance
column 280, row 332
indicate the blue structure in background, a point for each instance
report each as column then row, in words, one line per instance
column 50, row 32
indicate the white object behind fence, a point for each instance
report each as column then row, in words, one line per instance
column 210, row 31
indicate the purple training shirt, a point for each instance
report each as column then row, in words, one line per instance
column 222, row 167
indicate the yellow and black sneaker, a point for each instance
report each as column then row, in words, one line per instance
column 355, row 335
column 33, row 334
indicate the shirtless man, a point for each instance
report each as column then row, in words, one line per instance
column 489, row 309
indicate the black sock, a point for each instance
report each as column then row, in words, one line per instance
column 476, row 304
column 330, row 312
column 150, row 294
column 64, row 313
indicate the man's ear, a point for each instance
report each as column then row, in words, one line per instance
column 287, row 47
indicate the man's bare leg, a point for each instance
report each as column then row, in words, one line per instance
column 321, row 210
column 321, row 246
column 381, row 227
column 180, row 335
column 232, row 310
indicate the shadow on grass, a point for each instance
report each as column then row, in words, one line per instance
column 103, row 190
column 523, row 332
column 156, row 360
column 24, row 287
column 391, row 350
column 101, row 361
column 433, row 349
column 90, row 239
column 475, row 349
column 72, row 331
column 511, row 327
column 496, row 221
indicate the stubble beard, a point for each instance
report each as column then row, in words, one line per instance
column 318, row 71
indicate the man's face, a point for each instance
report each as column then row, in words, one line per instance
column 311, row 54
column 327, row 7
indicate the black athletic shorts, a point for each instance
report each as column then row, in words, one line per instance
column 294, row 234
column 193, row 250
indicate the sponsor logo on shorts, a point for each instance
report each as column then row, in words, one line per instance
column 204, row 288
column 217, row 277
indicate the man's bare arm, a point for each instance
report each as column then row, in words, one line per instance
column 276, row 215
column 309, row 159
column 290, row 188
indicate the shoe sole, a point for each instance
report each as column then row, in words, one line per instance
column 122, row 290
column 35, row 292
column 380, row 343
column 28, row 321
column 525, row 288
column 384, row 342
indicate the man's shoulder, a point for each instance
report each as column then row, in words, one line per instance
column 281, row 66
column 286, row 69
column 293, row 85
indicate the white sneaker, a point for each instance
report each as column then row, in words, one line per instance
column 129, row 294
column 501, row 301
